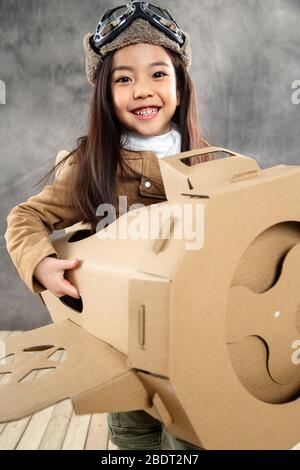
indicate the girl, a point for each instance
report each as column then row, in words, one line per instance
column 143, row 108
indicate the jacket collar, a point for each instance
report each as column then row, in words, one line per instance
column 150, row 166
column 134, row 154
column 150, row 171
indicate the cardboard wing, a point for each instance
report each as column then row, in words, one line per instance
column 189, row 310
column 40, row 377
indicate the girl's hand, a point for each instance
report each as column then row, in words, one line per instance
column 50, row 273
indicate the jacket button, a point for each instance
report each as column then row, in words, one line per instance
column 147, row 184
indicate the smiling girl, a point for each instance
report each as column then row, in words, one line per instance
column 143, row 108
column 144, row 92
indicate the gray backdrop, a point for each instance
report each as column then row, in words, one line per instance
column 245, row 59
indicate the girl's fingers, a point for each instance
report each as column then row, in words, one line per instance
column 68, row 263
column 68, row 289
column 65, row 287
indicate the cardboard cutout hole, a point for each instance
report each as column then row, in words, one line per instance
column 42, row 347
column 37, row 373
column 249, row 359
column 218, row 156
column 259, row 269
column 5, row 378
column 80, row 235
column 260, row 266
column 7, row 359
column 190, row 184
column 71, row 302
column 59, row 355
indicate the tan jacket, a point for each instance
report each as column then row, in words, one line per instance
column 30, row 223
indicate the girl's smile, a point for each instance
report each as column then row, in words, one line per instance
column 143, row 85
column 146, row 113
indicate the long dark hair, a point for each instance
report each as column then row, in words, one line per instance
column 98, row 153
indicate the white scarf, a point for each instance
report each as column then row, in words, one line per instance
column 162, row 145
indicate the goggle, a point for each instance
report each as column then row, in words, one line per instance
column 116, row 20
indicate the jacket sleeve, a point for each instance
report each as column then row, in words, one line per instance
column 30, row 223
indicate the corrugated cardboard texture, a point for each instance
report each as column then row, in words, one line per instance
column 199, row 338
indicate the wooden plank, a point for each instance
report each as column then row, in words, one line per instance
column 35, row 429
column 54, row 435
column 296, row 447
column 12, row 433
column 76, row 434
column 97, row 436
column 112, row 446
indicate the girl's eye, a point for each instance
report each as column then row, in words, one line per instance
column 122, row 78
column 159, row 72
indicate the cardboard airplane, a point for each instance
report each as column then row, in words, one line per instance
column 204, row 337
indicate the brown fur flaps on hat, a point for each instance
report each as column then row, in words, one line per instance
column 140, row 30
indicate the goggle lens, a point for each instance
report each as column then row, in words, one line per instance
column 112, row 18
column 163, row 16
column 159, row 11
column 114, row 12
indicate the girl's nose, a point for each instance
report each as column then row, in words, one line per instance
column 142, row 90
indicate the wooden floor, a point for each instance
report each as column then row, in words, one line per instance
column 56, row 427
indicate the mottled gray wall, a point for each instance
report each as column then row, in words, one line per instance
column 245, row 59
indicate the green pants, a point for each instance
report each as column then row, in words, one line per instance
column 137, row 430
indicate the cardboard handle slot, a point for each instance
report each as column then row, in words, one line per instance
column 201, row 151
column 141, row 326
column 204, row 178
column 244, row 176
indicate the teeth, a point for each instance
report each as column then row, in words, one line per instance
column 147, row 111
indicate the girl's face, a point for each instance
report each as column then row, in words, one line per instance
column 143, row 75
